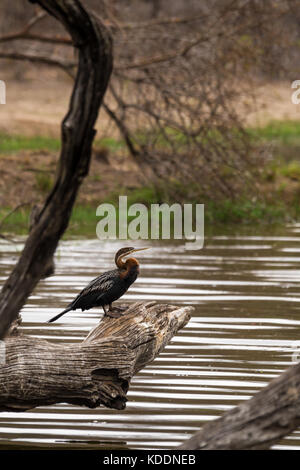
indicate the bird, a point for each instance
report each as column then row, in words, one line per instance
column 109, row 286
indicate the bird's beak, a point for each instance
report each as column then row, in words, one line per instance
column 140, row 249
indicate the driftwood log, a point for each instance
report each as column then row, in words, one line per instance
column 97, row 371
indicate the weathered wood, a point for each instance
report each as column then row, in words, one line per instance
column 49, row 266
column 98, row 370
column 94, row 46
column 258, row 423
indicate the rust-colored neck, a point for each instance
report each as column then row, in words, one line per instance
column 127, row 266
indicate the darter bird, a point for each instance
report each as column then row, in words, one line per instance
column 107, row 287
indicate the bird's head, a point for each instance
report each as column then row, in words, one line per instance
column 123, row 252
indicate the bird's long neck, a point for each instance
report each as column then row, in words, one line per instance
column 130, row 265
column 119, row 262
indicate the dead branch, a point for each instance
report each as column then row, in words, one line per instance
column 63, row 41
column 26, row 34
column 6, row 216
column 95, row 372
column 12, row 211
column 94, row 68
column 26, row 30
column 67, row 66
column 173, row 20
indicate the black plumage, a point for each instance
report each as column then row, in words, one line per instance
column 107, row 287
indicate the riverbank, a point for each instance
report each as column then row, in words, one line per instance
column 27, row 165
column 30, row 143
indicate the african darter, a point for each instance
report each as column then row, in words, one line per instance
column 107, row 287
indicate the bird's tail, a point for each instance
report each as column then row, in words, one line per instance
column 59, row 315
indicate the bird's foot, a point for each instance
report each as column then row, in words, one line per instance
column 116, row 312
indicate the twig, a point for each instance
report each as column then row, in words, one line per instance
column 55, row 62
column 13, row 211
column 64, row 41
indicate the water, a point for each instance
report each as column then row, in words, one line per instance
column 244, row 331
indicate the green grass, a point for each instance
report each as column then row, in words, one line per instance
column 283, row 132
column 10, row 144
column 110, row 143
column 43, row 182
column 83, row 222
column 291, row 170
column 13, row 144
column 283, row 138
column 246, row 212
column 282, row 169
column 15, row 223
column 224, row 213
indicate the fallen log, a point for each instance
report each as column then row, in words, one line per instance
column 258, row 423
column 92, row 373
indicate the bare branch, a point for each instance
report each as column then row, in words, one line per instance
column 67, row 66
column 15, row 209
column 64, row 41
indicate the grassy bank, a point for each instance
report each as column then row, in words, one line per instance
column 283, row 134
column 278, row 178
column 10, row 144
column 236, row 215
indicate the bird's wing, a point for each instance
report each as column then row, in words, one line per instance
column 94, row 290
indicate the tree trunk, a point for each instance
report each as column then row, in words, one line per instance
column 94, row 69
column 97, row 371
column 258, row 423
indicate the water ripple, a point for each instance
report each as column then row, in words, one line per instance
column 243, row 333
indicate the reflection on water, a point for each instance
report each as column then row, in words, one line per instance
column 245, row 290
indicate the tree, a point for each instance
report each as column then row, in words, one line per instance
column 94, row 45
column 179, row 110
column 100, row 369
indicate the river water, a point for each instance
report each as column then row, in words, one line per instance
column 245, row 330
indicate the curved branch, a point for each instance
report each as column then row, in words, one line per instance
column 36, row 37
column 34, row 20
column 94, row 69
column 67, row 66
